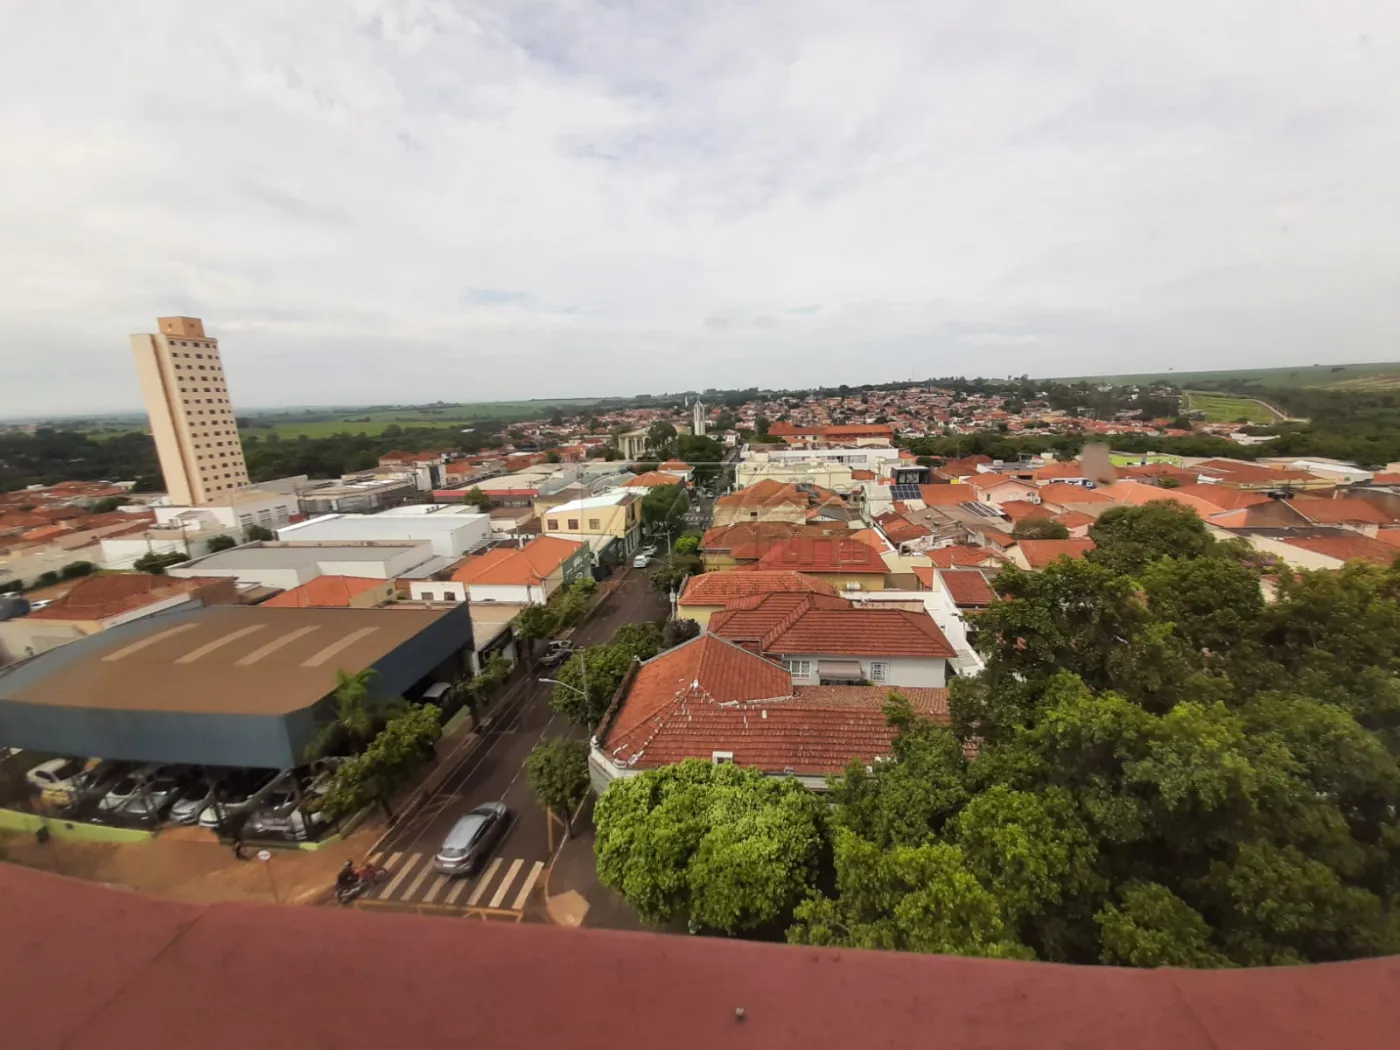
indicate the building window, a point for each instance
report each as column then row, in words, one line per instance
column 799, row 668
column 879, row 671
column 593, row 524
column 449, row 596
column 573, row 524
column 722, row 758
column 553, row 524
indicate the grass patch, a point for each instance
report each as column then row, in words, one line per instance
column 1225, row 408
column 1382, row 375
column 1132, row 459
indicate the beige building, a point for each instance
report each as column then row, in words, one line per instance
column 196, row 435
column 597, row 521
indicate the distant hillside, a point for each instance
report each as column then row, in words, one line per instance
column 1375, row 376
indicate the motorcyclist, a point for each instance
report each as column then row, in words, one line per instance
column 347, row 879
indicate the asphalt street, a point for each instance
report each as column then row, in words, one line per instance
column 493, row 770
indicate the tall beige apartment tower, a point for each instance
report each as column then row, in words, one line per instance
column 196, row 434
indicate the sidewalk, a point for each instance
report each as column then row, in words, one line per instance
column 573, row 894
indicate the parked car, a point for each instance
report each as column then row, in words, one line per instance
column 233, row 794
column 125, row 789
column 641, row 561
column 283, row 812
column 56, row 774
column 471, row 839
column 190, row 800
column 155, row 796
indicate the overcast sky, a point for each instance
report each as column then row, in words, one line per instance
column 411, row 201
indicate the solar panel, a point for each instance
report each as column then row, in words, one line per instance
column 906, row 492
column 986, row 512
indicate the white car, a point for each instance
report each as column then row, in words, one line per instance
column 641, row 561
column 57, row 774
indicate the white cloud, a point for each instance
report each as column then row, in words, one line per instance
column 420, row 200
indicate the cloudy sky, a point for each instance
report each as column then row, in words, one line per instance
column 422, row 199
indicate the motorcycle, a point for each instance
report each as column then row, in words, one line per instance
column 365, row 878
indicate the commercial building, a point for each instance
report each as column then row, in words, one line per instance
column 610, row 521
column 449, row 535
column 186, row 393
column 288, row 565
column 228, row 685
column 356, row 494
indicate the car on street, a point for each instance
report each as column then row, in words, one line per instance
column 472, row 839
column 556, row 654
column 641, row 561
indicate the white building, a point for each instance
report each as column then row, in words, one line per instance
column 287, row 565
column 449, row 535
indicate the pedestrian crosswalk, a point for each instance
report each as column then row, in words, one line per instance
column 410, row 879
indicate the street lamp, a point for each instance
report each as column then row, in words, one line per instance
column 566, row 685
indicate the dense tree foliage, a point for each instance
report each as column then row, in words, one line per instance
column 591, row 676
column 1169, row 771
column 1040, row 529
column 557, row 770
column 717, row 846
column 396, row 752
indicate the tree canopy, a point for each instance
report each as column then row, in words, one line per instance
column 1168, row 771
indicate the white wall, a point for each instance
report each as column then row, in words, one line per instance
column 913, row 672
column 514, row 594
column 451, row 536
column 282, row 577
column 437, row 591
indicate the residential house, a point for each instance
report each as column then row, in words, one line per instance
column 744, row 543
column 654, row 479
column 857, row 434
column 99, row 603
column 1246, row 475
column 711, row 699
column 610, row 523
column 845, row 563
column 770, row 500
column 969, row 589
column 678, row 468
column 1061, row 496
column 711, row 592
column 823, row 640
column 335, row 592
column 997, row 489
column 527, row 575
column 1359, row 515
column 1038, row 554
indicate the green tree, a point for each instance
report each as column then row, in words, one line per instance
column 258, row 534
column 77, row 569
column 156, row 564
column 718, row 846
column 1128, row 539
column 106, row 506
column 557, row 770
column 533, row 623
column 404, row 745
column 220, row 543
column 1040, row 529
column 356, row 714
column 661, row 438
column 687, row 545
column 478, row 499
column 665, row 505
column 591, row 677
column 1154, row 927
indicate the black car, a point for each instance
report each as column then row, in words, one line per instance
column 558, row 653
column 471, row 839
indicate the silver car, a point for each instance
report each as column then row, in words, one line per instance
column 471, row 839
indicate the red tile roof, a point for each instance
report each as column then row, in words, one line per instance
column 1341, row 511
column 991, row 481
column 1040, row 553
column 1347, row 548
column 1136, row 494
column 101, row 597
column 967, row 587
column 1226, row 497
column 1240, row 472
column 324, row 592
column 1054, row 471
column 834, row 555
column 900, row 529
column 952, row 557
column 747, row 540
column 947, row 495
column 720, row 588
column 1074, row 519
column 793, row 624
column 1021, row 509
column 653, row 479
column 1063, row 493
column 518, row 566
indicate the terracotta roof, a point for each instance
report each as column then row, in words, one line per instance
column 1243, row 473
column 111, row 967
column 1385, row 478
column 953, row 557
column 1347, row 548
column 1062, row 493
column 1136, row 494
column 1224, row 496
column 947, row 495
column 822, row 555
column 900, row 529
column 710, row 695
column 720, row 588
column 871, row 538
column 1341, row 511
column 991, row 481
column 653, row 479
column 997, row 538
column 785, row 430
column 962, row 468
column 967, row 587
column 1390, row 536
column 862, row 475
column 324, row 592
column 1053, row 471
column 784, row 624
column 747, row 540
column 930, row 702
column 674, row 464
column 518, row 566
column 1073, row 519
column 1040, row 553
column 100, row 597
column 1021, row 509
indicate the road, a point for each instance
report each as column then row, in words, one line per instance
column 491, row 771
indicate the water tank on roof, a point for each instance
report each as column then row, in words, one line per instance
column 12, row 607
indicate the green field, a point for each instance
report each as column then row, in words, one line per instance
column 1130, row 459
column 1384, row 375
column 1224, row 408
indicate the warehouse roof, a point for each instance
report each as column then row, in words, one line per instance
column 229, row 659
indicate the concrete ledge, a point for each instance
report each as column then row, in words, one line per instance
column 13, row 820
